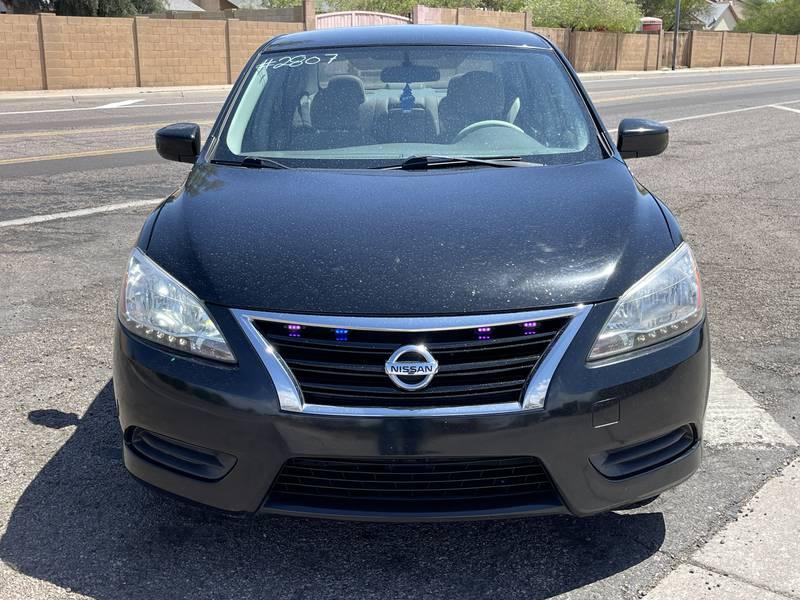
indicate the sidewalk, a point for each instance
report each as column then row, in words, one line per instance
column 78, row 93
column 755, row 557
column 667, row 72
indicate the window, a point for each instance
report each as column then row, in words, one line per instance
column 373, row 106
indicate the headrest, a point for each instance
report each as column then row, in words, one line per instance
column 478, row 89
column 336, row 106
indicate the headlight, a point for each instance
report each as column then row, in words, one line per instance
column 157, row 307
column 664, row 303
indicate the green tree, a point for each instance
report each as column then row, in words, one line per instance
column 148, row 7
column 586, row 15
column 779, row 16
column 76, row 8
column 115, row 8
column 665, row 10
column 107, row 8
column 29, row 7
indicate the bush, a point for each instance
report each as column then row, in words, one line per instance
column 588, row 15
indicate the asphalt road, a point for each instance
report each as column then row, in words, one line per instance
column 73, row 523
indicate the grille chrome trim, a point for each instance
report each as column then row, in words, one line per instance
column 290, row 396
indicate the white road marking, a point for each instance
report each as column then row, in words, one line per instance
column 113, row 207
column 121, row 103
column 87, row 108
column 82, row 212
column 794, row 110
column 727, row 112
column 734, row 417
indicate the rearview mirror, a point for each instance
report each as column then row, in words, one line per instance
column 179, row 142
column 408, row 73
column 637, row 138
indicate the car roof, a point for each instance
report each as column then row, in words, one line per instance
column 405, row 35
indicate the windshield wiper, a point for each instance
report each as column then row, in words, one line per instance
column 438, row 162
column 253, row 162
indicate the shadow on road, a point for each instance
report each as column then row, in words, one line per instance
column 84, row 524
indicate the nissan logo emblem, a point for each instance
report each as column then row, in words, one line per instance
column 411, row 375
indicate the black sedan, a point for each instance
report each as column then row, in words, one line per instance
column 411, row 277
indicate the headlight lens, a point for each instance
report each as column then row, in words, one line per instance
column 664, row 303
column 156, row 306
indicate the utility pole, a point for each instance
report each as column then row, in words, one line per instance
column 676, row 29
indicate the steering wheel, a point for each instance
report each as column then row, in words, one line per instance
column 483, row 124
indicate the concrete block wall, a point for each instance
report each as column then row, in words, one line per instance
column 20, row 54
column 637, row 52
column 491, row 18
column 593, row 50
column 785, row 49
column 684, row 46
column 244, row 38
column 735, row 49
column 706, row 49
column 426, row 15
column 89, row 52
column 181, row 52
column 51, row 52
column 762, row 49
column 560, row 37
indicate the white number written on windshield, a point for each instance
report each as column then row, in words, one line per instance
column 298, row 61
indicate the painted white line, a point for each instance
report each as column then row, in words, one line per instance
column 88, row 108
column 726, row 112
column 121, row 103
column 794, row 110
column 123, row 205
column 734, row 418
column 82, row 212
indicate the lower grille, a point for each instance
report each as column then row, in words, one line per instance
column 638, row 458
column 413, row 485
column 187, row 459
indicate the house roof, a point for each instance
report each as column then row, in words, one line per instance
column 714, row 12
column 182, row 5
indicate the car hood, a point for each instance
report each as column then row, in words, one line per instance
column 444, row 241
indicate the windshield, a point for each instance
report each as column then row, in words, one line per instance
column 368, row 107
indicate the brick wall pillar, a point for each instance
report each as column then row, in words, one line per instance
column 309, row 15
column 228, row 47
column 42, row 58
column 136, row 61
column 659, row 48
column 774, row 48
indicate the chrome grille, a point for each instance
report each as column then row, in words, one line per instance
column 344, row 367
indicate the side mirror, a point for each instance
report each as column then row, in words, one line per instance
column 637, row 138
column 179, row 142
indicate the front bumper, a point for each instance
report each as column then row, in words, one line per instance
column 233, row 410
